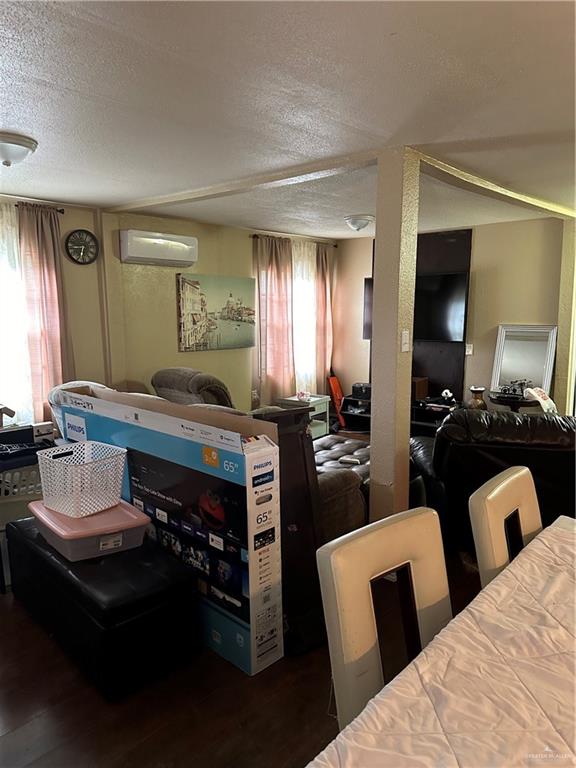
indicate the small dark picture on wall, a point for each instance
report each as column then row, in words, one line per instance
column 215, row 312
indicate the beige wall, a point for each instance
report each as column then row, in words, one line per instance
column 515, row 277
column 150, row 316
column 83, row 301
column 351, row 356
column 141, row 303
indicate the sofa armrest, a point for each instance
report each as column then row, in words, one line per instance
column 188, row 386
column 342, row 506
column 422, row 454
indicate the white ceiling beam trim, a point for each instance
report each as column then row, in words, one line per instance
column 432, row 166
column 334, row 166
column 297, row 174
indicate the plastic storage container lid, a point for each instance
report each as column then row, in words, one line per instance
column 118, row 518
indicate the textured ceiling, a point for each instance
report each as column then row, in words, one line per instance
column 131, row 100
column 318, row 208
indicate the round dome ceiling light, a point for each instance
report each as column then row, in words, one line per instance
column 14, row 147
column 359, row 221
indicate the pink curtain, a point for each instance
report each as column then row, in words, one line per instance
column 324, row 332
column 51, row 359
column 274, row 370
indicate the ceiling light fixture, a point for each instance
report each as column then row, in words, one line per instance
column 14, row 148
column 359, row 221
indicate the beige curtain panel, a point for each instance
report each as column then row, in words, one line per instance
column 324, row 328
column 274, row 369
column 49, row 342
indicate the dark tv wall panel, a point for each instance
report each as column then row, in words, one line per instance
column 443, row 363
column 440, row 252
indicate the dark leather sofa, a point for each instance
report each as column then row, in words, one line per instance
column 330, row 449
column 332, row 454
column 471, row 447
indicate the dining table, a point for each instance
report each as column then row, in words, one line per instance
column 495, row 688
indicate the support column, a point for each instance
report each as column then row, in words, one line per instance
column 565, row 352
column 113, row 298
column 392, row 321
column 103, row 297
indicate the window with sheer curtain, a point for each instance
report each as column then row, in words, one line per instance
column 15, row 375
column 294, row 317
column 304, row 314
column 35, row 354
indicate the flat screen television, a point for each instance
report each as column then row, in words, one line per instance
column 440, row 307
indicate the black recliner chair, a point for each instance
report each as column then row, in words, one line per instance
column 471, row 447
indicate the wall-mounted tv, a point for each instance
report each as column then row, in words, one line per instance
column 440, row 307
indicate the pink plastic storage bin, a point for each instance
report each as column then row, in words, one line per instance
column 115, row 530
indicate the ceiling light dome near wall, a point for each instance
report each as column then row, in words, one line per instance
column 14, row 147
column 359, row 221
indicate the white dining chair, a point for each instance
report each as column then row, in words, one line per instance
column 347, row 567
column 505, row 500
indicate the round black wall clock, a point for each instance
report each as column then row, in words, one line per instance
column 82, row 246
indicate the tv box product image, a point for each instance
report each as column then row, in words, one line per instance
column 114, row 530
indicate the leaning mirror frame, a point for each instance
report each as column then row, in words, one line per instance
column 548, row 333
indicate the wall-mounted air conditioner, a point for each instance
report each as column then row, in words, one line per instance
column 137, row 247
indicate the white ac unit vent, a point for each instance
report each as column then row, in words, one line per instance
column 137, row 247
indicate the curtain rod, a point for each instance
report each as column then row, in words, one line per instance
column 58, row 210
column 299, row 237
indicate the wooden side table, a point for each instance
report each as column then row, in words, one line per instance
column 319, row 417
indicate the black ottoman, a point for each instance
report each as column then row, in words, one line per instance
column 125, row 617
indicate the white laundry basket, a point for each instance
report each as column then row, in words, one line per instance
column 21, row 484
column 80, row 479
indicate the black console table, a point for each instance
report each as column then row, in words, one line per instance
column 425, row 418
column 356, row 413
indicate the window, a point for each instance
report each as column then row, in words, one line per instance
column 294, row 317
column 15, row 377
column 304, row 314
column 33, row 351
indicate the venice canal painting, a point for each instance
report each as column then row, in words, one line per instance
column 215, row 312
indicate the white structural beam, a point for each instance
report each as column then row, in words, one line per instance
column 297, row 174
column 392, row 321
column 333, row 166
column 565, row 373
column 471, row 182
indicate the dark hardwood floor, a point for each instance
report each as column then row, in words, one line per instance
column 207, row 714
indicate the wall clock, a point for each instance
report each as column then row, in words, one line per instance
column 82, row 246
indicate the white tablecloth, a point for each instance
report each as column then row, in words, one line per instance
column 494, row 689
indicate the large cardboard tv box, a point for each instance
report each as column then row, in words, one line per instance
column 209, row 481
